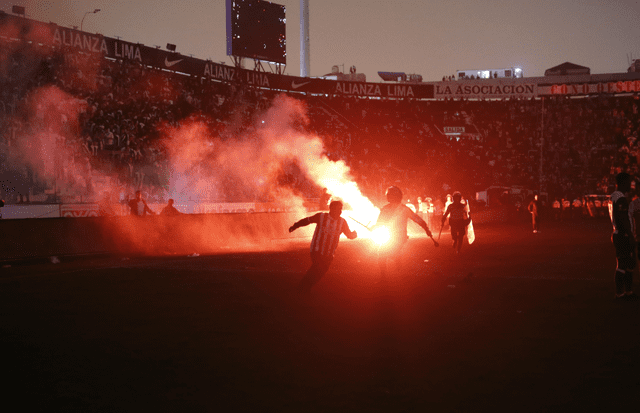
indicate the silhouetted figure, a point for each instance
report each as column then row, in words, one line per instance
column 622, row 236
column 170, row 210
column 458, row 220
column 534, row 209
column 394, row 217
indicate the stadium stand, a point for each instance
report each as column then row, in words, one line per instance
column 583, row 141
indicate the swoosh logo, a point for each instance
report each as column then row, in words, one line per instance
column 169, row 64
column 295, row 85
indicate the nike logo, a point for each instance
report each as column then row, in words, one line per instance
column 169, row 64
column 295, row 85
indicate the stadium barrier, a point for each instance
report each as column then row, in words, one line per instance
column 151, row 235
column 167, row 235
column 493, row 215
column 80, row 210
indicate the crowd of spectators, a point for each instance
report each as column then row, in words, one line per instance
column 565, row 147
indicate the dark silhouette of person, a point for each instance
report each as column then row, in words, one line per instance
column 458, row 220
column 170, row 210
column 394, row 217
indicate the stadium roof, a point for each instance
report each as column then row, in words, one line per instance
column 393, row 76
column 567, row 68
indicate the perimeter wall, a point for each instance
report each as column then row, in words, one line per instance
column 162, row 235
column 152, row 235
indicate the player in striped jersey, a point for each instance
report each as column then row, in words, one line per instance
column 623, row 239
column 325, row 239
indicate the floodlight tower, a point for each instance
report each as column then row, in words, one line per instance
column 304, row 38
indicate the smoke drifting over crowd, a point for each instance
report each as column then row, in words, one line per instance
column 69, row 105
column 202, row 167
column 256, row 160
column 41, row 147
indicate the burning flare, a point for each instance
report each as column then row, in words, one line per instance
column 380, row 235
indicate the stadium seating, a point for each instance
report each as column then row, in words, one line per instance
column 122, row 105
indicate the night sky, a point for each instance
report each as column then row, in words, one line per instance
column 432, row 39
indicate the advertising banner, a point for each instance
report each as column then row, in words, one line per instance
column 79, row 210
column 629, row 86
column 75, row 41
column 485, row 89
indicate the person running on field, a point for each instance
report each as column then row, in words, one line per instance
column 325, row 239
column 394, row 216
column 622, row 236
column 458, row 220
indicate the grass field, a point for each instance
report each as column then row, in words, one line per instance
column 517, row 322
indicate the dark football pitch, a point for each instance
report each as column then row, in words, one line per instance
column 517, row 322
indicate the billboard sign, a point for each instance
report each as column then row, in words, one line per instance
column 486, row 89
column 256, row 29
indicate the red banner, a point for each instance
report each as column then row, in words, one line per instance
column 79, row 210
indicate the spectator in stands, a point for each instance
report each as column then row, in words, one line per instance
column 586, row 141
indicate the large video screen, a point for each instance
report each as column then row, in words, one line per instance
column 256, row 29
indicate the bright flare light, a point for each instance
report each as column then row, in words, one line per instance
column 380, row 235
column 333, row 175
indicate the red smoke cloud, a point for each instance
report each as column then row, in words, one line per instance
column 276, row 141
column 247, row 160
